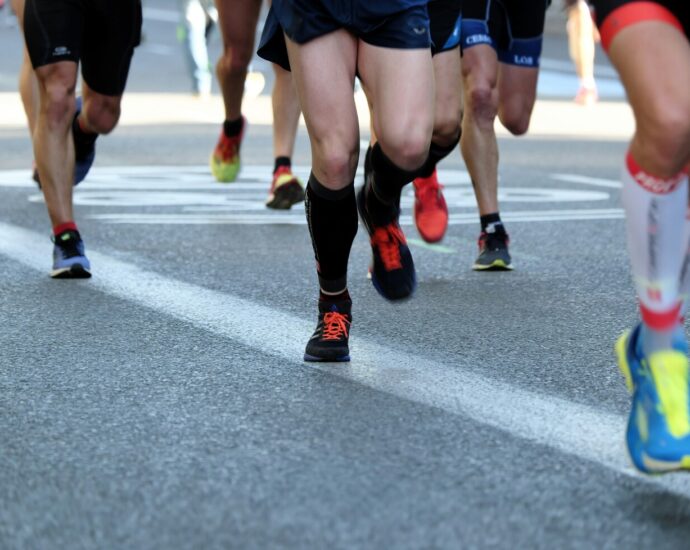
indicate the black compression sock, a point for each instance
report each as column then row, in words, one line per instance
column 436, row 154
column 332, row 219
column 492, row 223
column 232, row 128
column 343, row 296
column 281, row 161
column 83, row 141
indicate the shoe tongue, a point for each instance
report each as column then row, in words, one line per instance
column 335, row 307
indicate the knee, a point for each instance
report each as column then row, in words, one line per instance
column 235, row 59
column 665, row 136
column 57, row 102
column 516, row 121
column 446, row 131
column 336, row 162
column 407, row 150
column 102, row 113
column 482, row 103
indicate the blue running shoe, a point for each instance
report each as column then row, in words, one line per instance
column 69, row 259
column 658, row 433
column 84, row 151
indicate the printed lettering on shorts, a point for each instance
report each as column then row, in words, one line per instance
column 653, row 184
column 60, row 51
column 475, row 32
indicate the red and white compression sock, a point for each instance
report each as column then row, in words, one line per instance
column 657, row 240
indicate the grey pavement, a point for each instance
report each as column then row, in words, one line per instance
column 164, row 403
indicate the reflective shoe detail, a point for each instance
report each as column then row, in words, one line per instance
column 69, row 258
column 430, row 208
column 493, row 252
column 286, row 190
column 225, row 159
column 392, row 269
column 330, row 339
column 658, row 433
column 83, row 162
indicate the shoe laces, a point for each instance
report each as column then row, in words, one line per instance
column 427, row 189
column 335, row 326
column 388, row 240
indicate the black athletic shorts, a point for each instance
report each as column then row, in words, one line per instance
column 102, row 34
column 514, row 28
column 444, row 20
column 400, row 24
column 614, row 15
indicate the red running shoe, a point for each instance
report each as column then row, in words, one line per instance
column 430, row 208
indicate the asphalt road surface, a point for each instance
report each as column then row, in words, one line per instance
column 164, row 403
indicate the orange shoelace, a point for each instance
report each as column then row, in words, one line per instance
column 334, row 326
column 388, row 240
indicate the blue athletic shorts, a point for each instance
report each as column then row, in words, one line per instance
column 399, row 24
column 514, row 28
column 444, row 19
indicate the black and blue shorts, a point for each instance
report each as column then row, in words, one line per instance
column 399, row 24
column 444, row 20
column 514, row 28
column 101, row 34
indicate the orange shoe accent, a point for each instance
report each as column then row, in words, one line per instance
column 388, row 240
column 335, row 326
column 430, row 208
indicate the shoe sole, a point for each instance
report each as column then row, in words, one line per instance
column 317, row 359
column 76, row 271
column 497, row 265
column 286, row 195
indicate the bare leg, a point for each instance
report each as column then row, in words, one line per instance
column 286, row 111
column 53, row 144
column 329, row 63
column 478, row 142
column 237, row 20
column 28, row 86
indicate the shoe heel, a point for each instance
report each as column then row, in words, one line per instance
column 621, row 345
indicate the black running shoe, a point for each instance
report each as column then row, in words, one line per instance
column 493, row 252
column 392, row 269
column 330, row 339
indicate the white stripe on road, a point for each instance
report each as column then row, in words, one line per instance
column 565, row 426
column 297, row 217
column 599, row 182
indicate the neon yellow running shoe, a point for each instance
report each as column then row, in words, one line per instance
column 225, row 160
column 658, row 434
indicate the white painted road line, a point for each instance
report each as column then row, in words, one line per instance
column 599, row 182
column 565, row 426
column 213, row 217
